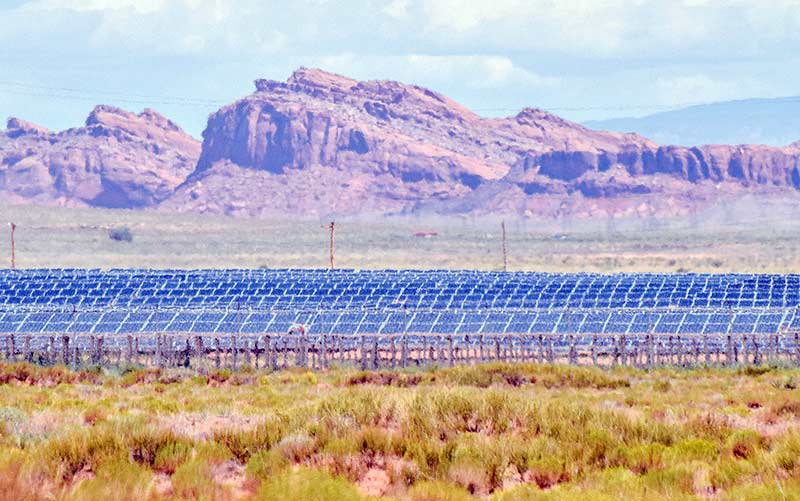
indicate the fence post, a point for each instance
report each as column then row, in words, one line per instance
column 11, row 350
column 246, row 353
column 450, row 352
column 571, row 356
column 51, row 351
column 375, row 355
column 234, row 354
column 65, row 349
column 797, row 347
column 756, row 351
column 271, row 356
column 404, row 354
column 256, row 352
column 729, row 350
column 217, row 353
column 129, row 351
column 27, row 348
column 324, row 349
column 158, row 357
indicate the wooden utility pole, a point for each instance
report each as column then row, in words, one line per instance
column 13, row 246
column 505, row 250
column 333, row 231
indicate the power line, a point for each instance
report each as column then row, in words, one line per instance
column 68, row 93
column 84, row 94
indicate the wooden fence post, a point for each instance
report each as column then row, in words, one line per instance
column 363, row 352
column 234, row 354
column 129, row 351
column 450, row 352
column 65, row 349
column 324, row 348
column 158, row 354
column 404, row 354
column 11, row 349
column 729, row 352
column 797, row 347
column 246, row 353
column 26, row 343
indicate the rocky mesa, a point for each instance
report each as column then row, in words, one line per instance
column 118, row 159
column 322, row 143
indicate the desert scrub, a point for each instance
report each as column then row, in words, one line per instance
column 308, row 484
column 244, row 443
column 118, row 479
column 497, row 431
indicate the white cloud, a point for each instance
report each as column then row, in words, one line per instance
column 477, row 71
column 615, row 28
column 693, row 88
column 699, row 88
column 629, row 29
column 397, row 9
column 140, row 6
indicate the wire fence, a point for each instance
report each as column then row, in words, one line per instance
column 376, row 351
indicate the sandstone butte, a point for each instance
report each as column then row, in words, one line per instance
column 321, row 144
column 118, row 159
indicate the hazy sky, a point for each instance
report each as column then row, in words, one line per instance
column 580, row 58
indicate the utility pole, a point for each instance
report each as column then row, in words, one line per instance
column 505, row 250
column 13, row 246
column 333, row 231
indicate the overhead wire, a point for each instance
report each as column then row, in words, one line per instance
column 85, row 94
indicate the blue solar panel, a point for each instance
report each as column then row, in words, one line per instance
column 392, row 301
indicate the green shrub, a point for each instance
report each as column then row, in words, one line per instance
column 438, row 491
column 121, row 234
column 171, row 456
column 67, row 454
column 308, row 484
column 243, row 444
column 118, row 479
column 266, row 464
column 695, row 449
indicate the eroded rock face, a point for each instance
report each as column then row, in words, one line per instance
column 118, row 159
column 321, row 143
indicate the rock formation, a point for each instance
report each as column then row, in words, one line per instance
column 321, row 143
column 118, row 159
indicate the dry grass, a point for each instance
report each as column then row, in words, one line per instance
column 758, row 236
column 495, row 431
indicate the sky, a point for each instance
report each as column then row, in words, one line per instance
column 582, row 59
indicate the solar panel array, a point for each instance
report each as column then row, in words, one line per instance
column 391, row 301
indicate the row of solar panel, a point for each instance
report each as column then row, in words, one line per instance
column 325, row 272
column 609, row 321
column 216, row 280
column 440, row 302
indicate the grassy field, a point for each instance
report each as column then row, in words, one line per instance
column 495, row 432
column 741, row 237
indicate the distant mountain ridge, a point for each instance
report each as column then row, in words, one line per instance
column 773, row 122
column 117, row 159
column 323, row 144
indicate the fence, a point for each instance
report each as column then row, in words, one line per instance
column 372, row 351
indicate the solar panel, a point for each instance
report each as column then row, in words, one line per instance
column 393, row 301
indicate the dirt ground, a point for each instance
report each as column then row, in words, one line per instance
column 745, row 236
